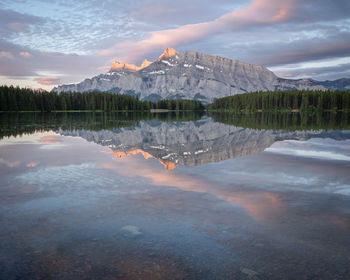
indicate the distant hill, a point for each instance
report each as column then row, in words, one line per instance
column 193, row 75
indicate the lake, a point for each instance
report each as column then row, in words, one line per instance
column 174, row 196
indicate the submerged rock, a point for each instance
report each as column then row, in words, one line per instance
column 249, row 272
column 132, row 230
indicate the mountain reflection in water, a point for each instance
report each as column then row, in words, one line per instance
column 193, row 143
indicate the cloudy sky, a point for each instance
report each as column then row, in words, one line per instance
column 45, row 43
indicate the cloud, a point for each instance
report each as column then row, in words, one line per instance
column 306, row 50
column 12, row 22
column 180, row 12
column 337, row 71
column 25, row 54
column 10, row 163
column 51, row 140
column 269, row 33
column 78, row 40
column 15, row 26
column 260, row 205
column 32, row 164
column 68, row 67
column 324, row 10
column 296, row 75
column 80, row 27
column 5, row 54
column 311, row 154
column 258, row 13
column 48, row 81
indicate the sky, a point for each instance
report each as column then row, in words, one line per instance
column 52, row 42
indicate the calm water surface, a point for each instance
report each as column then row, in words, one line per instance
column 174, row 196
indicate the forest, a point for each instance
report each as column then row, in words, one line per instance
column 293, row 100
column 21, row 99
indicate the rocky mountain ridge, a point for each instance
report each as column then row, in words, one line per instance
column 193, row 75
column 131, row 67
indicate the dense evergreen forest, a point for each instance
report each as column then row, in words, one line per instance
column 17, row 99
column 302, row 100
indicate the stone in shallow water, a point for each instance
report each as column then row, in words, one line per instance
column 132, row 230
column 250, row 273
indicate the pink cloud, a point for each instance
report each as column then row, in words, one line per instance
column 259, row 12
column 48, row 81
column 25, row 54
column 4, row 54
column 32, row 164
column 16, row 26
column 10, row 163
column 259, row 204
column 50, row 140
column 341, row 222
column 296, row 75
column 26, row 189
column 263, row 11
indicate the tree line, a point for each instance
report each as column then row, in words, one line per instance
column 179, row 105
column 22, row 99
column 302, row 100
column 285, row 120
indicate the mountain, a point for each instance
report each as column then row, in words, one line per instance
column 169, row 52
column 193, row 142
column 193, row 75
column 116, row 66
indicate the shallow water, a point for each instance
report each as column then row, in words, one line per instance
column 167, row 197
